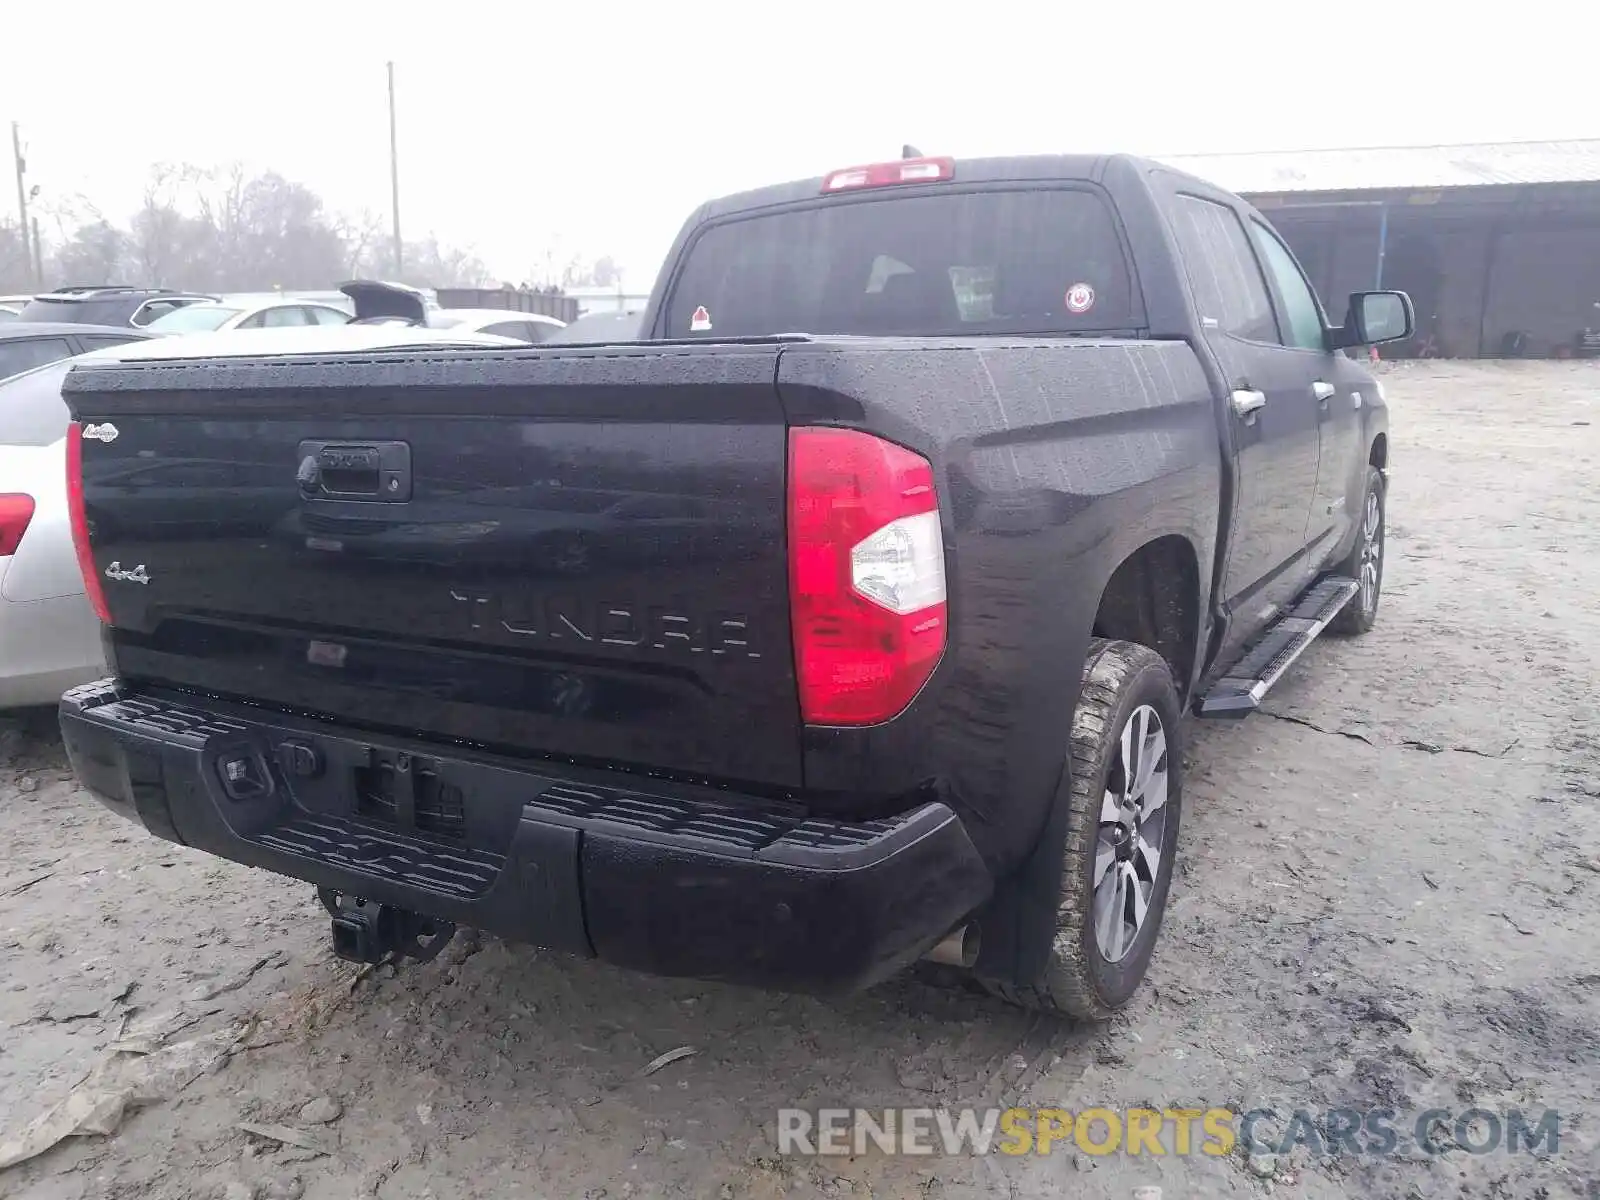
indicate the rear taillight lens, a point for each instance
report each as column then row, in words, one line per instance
column 80, row 524
column 866, row 575
column 16, row 510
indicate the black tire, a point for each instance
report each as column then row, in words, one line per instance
column 1080, row 980
column 1361, row 614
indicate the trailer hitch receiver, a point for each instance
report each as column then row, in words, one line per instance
column 368, row 932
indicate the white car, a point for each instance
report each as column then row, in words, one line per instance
column 524, row 326
column 49, row 636
column 215, row 316
column 378, row 303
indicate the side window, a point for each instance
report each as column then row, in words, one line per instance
column 253, row 321
column 328, row 316
column 32, row 412
column 157, row 308
column 24, row 354
column 510, row 329
column 1227, row 281
column 101, row 340
column 285, row 315
column 1300, row 304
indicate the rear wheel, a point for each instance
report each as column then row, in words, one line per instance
column 1365, row 563
column 1124, row 803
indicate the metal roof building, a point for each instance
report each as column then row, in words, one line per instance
column 1504, row 164
column 1498, row 243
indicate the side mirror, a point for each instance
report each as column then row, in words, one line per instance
column 1374, row 318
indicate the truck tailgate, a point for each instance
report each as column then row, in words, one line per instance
column 571, row 553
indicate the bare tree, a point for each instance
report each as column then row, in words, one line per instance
column 94, row 253
column 16, row 273
column 362, row 234
column 164, row 241
column 227, row 229
column 428, row 263
column 604, row 272
column 574, row 270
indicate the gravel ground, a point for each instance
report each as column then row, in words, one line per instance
column 1386, row 898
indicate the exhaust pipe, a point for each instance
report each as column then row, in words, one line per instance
column 958, row 949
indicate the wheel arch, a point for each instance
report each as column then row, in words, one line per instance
column 1153, row 598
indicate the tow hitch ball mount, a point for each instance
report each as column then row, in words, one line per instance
column 367, row 932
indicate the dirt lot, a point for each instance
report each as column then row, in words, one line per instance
column 1387, row 898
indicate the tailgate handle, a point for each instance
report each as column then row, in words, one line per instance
column 374, row 472
column 349, row 471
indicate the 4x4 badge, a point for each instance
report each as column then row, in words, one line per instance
column 137, row 575
column 101, row 433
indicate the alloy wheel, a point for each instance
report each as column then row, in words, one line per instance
column 1129, row 846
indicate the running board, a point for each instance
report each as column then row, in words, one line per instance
column 1241, row 691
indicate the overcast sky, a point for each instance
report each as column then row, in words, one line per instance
column 598, row 126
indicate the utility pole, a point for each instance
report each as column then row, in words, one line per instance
column 22, row 193
column 38, row 257
column 394, row 178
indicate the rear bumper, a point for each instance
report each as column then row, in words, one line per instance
column 663, row 878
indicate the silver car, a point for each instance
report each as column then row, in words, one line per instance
column 49, row 638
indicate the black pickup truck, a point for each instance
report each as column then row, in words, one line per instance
column 849, row 619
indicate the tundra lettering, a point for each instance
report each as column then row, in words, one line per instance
column 608, row 622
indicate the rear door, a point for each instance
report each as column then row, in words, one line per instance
column 1337, row 393
column 1272, row 409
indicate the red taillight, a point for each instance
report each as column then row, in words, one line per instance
column 866, row 575
column 889, row 174
column 16, row 510
column 80, row 523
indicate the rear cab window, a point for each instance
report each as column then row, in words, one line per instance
column 1045, row 260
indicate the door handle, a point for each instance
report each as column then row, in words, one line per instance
column 1322, row 391
column 1245, row 402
